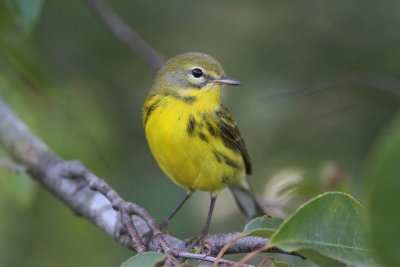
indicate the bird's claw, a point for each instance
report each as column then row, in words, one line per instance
column 197, row 241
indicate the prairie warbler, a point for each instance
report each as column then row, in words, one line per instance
column 192, row 135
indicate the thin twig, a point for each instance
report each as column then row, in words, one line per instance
column 249, row 256
column 126, row 34
column 204, row 257
column 133, row 233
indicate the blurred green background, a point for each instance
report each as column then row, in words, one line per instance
column 81, row 91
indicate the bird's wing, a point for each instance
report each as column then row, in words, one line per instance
column 231, row 135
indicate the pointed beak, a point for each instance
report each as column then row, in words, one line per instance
column 227, row 80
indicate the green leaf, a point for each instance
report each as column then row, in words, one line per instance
column 27, row 12
column 276, row 263
column 320, row 259
column 145, row 259
column 192, row 262
column 384, row 189
column 262, row 226
column 331, row 224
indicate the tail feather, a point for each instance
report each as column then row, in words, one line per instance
column 248, row 202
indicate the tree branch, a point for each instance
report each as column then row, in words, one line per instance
column 126, row 34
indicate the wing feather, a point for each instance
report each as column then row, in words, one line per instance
column 231, row 135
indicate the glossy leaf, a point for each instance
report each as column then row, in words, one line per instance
column 262, row 226
column 192, row 262
column 333, row 225
column 319, row 259
column 145, row 259
column 277, row 263
column 384, row 199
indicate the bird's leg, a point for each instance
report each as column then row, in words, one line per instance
column 163, row 225
column 196, row 240
column 204, row 232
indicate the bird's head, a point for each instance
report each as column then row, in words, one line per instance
column 192, row 74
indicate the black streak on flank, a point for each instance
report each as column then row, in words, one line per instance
column 217, row 157
column 228, row 161
column 202, row 137
column 211, row 129
column 191, row 125
column 226, row 179
column 150, row 109
column 189, row 99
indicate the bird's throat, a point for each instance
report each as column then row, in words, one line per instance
column 207, row 99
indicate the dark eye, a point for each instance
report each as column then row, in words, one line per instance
column 197, row 73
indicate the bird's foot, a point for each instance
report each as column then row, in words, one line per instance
column 197, row 241
column 163, row 226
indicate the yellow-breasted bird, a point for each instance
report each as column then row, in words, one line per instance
column 192, row 135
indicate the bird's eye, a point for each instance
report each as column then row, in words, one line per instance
column 197, row 73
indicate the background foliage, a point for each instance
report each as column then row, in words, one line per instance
column 81, row 91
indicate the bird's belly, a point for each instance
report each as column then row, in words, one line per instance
column 191, row 161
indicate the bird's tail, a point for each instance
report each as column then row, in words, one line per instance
column 249, row 204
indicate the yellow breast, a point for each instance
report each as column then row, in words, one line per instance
column 184, row 136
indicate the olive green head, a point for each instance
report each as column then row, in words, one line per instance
column 192, row 71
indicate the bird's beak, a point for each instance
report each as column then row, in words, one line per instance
column 227, row 80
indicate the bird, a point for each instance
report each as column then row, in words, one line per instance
column 192, row 134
